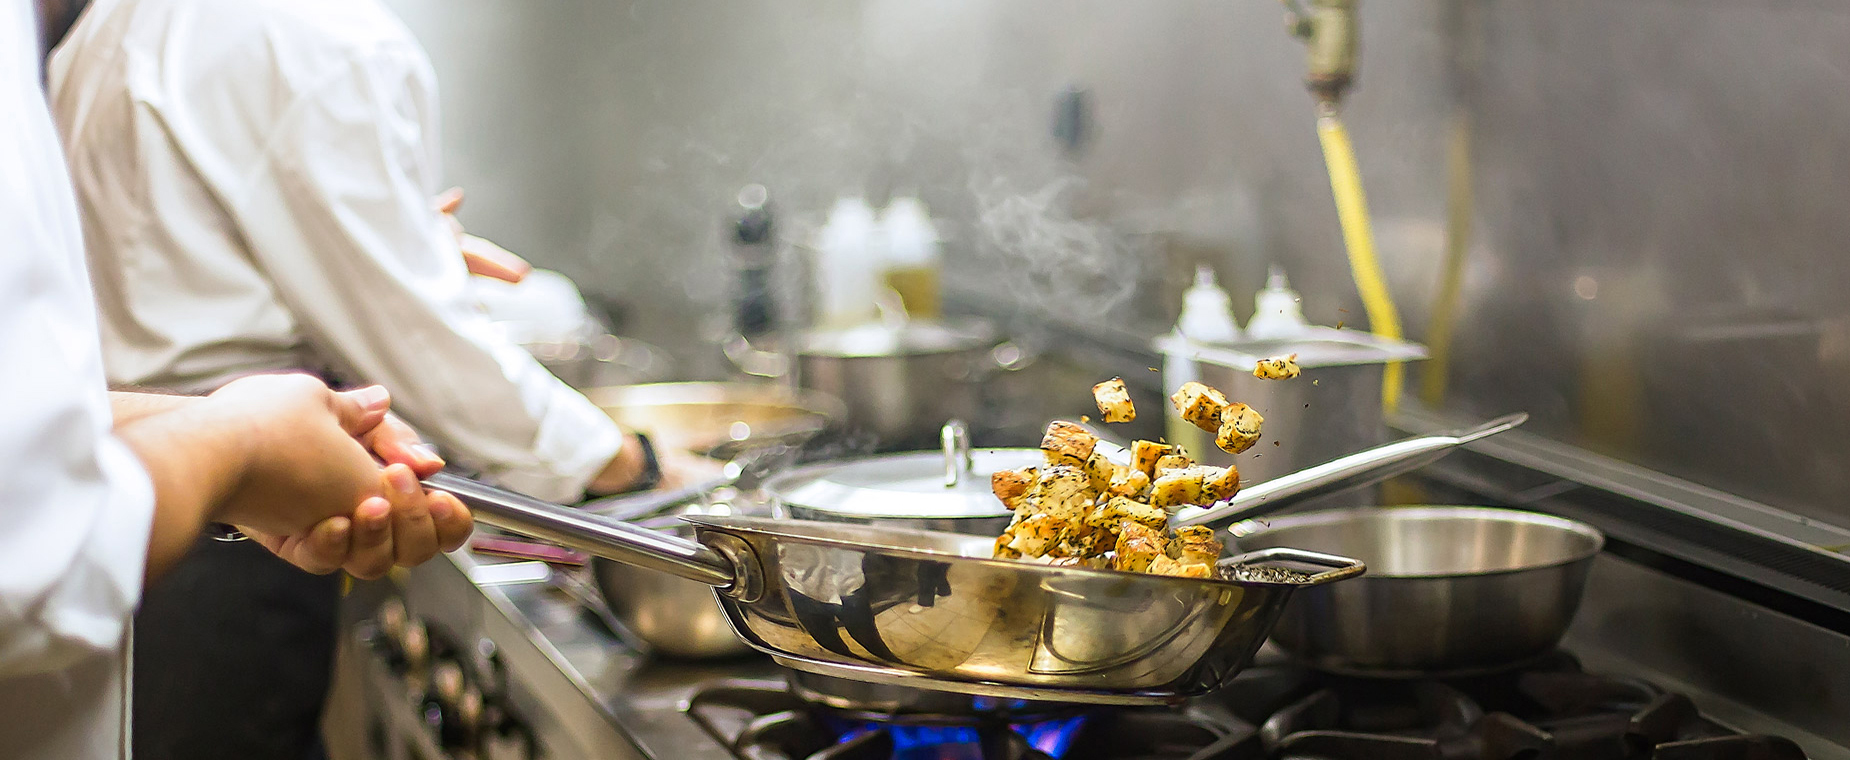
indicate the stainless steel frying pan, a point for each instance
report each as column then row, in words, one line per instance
column 932, row 610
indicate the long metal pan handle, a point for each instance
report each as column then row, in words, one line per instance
column 1345, row 567
column 596, row 534
column 1353, row 471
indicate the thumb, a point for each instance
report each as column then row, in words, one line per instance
column 362, row 409
column 450, row 200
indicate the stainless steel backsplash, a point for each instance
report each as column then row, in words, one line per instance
column 1662, row 187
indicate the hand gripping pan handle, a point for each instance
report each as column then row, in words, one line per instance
column 592, row 533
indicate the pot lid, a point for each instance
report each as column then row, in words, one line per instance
column 895, row 339
column 925, row 484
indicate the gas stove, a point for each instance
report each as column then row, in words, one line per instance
column 574, row 691
column 1549, row 709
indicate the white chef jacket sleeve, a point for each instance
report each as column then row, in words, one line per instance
column 75, row 503
column 340, row 216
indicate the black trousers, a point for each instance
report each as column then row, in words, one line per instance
column 234, row 653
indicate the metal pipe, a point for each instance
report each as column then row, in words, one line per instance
column 1329, row 29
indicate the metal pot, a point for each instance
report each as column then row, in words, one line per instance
column 674, row 616
column 900, row 380
column 945, row 491
column 720, row 420
column 1449, row 589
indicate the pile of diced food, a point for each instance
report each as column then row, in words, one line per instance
column 1080, row 508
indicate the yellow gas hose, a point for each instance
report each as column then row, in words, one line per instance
column 1352, row 212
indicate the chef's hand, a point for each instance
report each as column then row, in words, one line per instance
column 484, row 259
column 406, row 527
column 397, row 522
column 303, row 461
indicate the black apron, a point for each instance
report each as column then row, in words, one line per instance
column 234, row 654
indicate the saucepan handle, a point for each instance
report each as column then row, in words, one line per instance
column 1353, row 471
column 1345, row 567
column 592, row 533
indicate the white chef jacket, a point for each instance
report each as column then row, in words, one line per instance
column 75, row 503
column 257, row 179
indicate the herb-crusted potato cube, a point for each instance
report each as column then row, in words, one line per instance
column 1219, row 484
column 1101, row 471
column 1138, row 545
column 1239, row 429
column 1178, row 568
column 1063, row 491
column 1012, row 485
column 1130, row 483
column 1144, row 455
column 1114, row 401
column 1172, row 462
column 1084, row 541
column 1068, row 440
column 1036, row 535
column 1200, row 405
column 1111, row 514
column 1176, row 489
column 1196, row 544
column 1003, row 550
column 1276, row 368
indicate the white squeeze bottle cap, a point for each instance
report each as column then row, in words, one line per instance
column 912, row 239
column 1207, row 311
column 1278, row 312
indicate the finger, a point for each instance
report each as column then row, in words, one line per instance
column 362, row 409
column 450, row 200
column 414, row 536
column 486, row 259
column 453, row 520
column 372, row 554
column 394, row 442
column 269, row 541
column 322, row 549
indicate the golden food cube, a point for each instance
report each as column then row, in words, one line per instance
column 1200, row 405
column 1068, row 440
column 1144, row 455
column 1276, row 368
column 1239, row 429
column 1114, row 401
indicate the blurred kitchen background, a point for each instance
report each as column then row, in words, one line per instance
column 1655, row 190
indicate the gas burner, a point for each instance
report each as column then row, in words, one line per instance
column 1550, row 709
column 766, row 720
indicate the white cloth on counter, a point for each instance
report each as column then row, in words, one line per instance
column 75, row 504
column 257, row 178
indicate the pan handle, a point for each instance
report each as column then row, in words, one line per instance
column 1345, row 567
column 1353, row 471
column 592, row 533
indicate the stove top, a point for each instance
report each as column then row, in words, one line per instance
column 578, row 692
column 1548, row 710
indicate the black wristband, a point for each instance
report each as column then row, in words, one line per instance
column 651, row 467
column 223, row 532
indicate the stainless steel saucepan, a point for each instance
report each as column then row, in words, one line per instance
column 1450, row 590
column 932, row 610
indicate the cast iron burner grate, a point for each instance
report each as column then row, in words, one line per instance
column 1548, row 710
column 762, row 720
